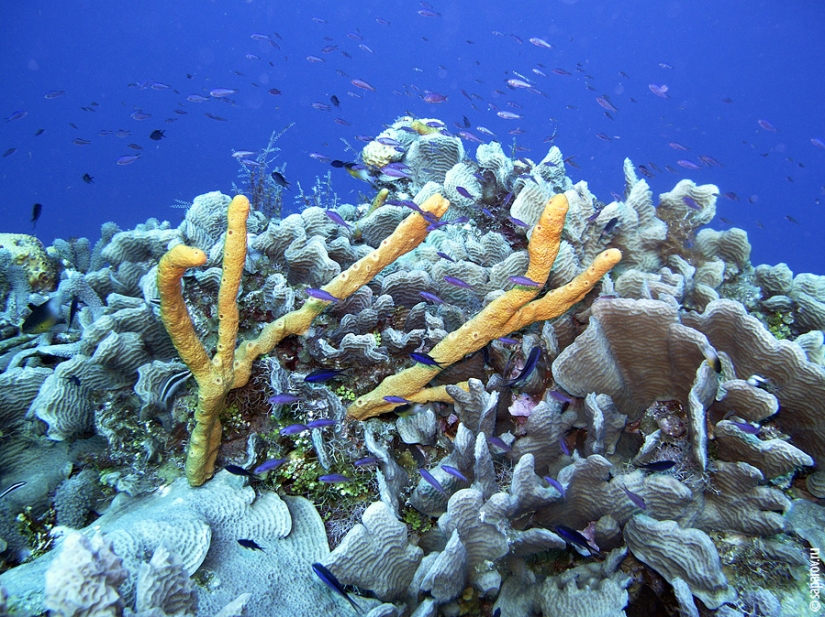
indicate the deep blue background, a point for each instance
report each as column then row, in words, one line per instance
column 767, row 57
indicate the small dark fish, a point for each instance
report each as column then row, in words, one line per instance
column 610, row 226
column 321, row 423
column 280, row 180
column 637, row 501
column 399, row 400
column 367, row 460
column 334, row 100
column 657, row 465
column 88, row 179
column 334, row 478
column 157, row 135
column 322, row 375
column 294, row 429
column 79, row 141
column 249, row 544
column 457, row 282
column 428, row 477
column 529, row 366
column 214, row 117
column 455, row 473
column 39, row 132
column 333, row 583
column 270, row 465
column 791, row 219
column 320, row 294
column 17, row 115
column 284, row 399
column 12, row 488
column 523, row 280
column 571, row 536
column 423, row 358
column 430, row 297
column 555, row 484
column 238, row 471
column 37, row 210
column 9, row 152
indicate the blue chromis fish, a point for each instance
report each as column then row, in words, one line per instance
column 321, row 423
column 270, row 465
column 334, row 478
column 529, row 366
column 321, row 294
column 322, row 375
column 636, row 499
column 294, row 429
column 284, row 398
column 428, row 477
column 523, row 280
column 555, row 484
column 367, row 460
column 336, row 218
column 423, row 358
column 455, row 473
column 431, row 297
column 333, row 583
column 239, row 471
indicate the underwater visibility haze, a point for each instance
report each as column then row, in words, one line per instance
column 412, row 308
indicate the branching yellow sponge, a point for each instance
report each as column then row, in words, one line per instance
column 215, row 376
column 511, row 311
column 230, row 368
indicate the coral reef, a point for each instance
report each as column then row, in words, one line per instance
column 481, row 410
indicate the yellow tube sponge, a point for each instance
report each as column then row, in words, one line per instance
column 511, row 311
column 230, row 368
column 215, row 376
column 411, row 232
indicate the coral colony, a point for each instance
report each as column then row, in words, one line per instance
column 483, row 392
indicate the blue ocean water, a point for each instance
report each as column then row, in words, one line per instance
column 727, row 66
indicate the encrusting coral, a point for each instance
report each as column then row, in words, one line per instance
column 513, row 310
column 231, row 368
